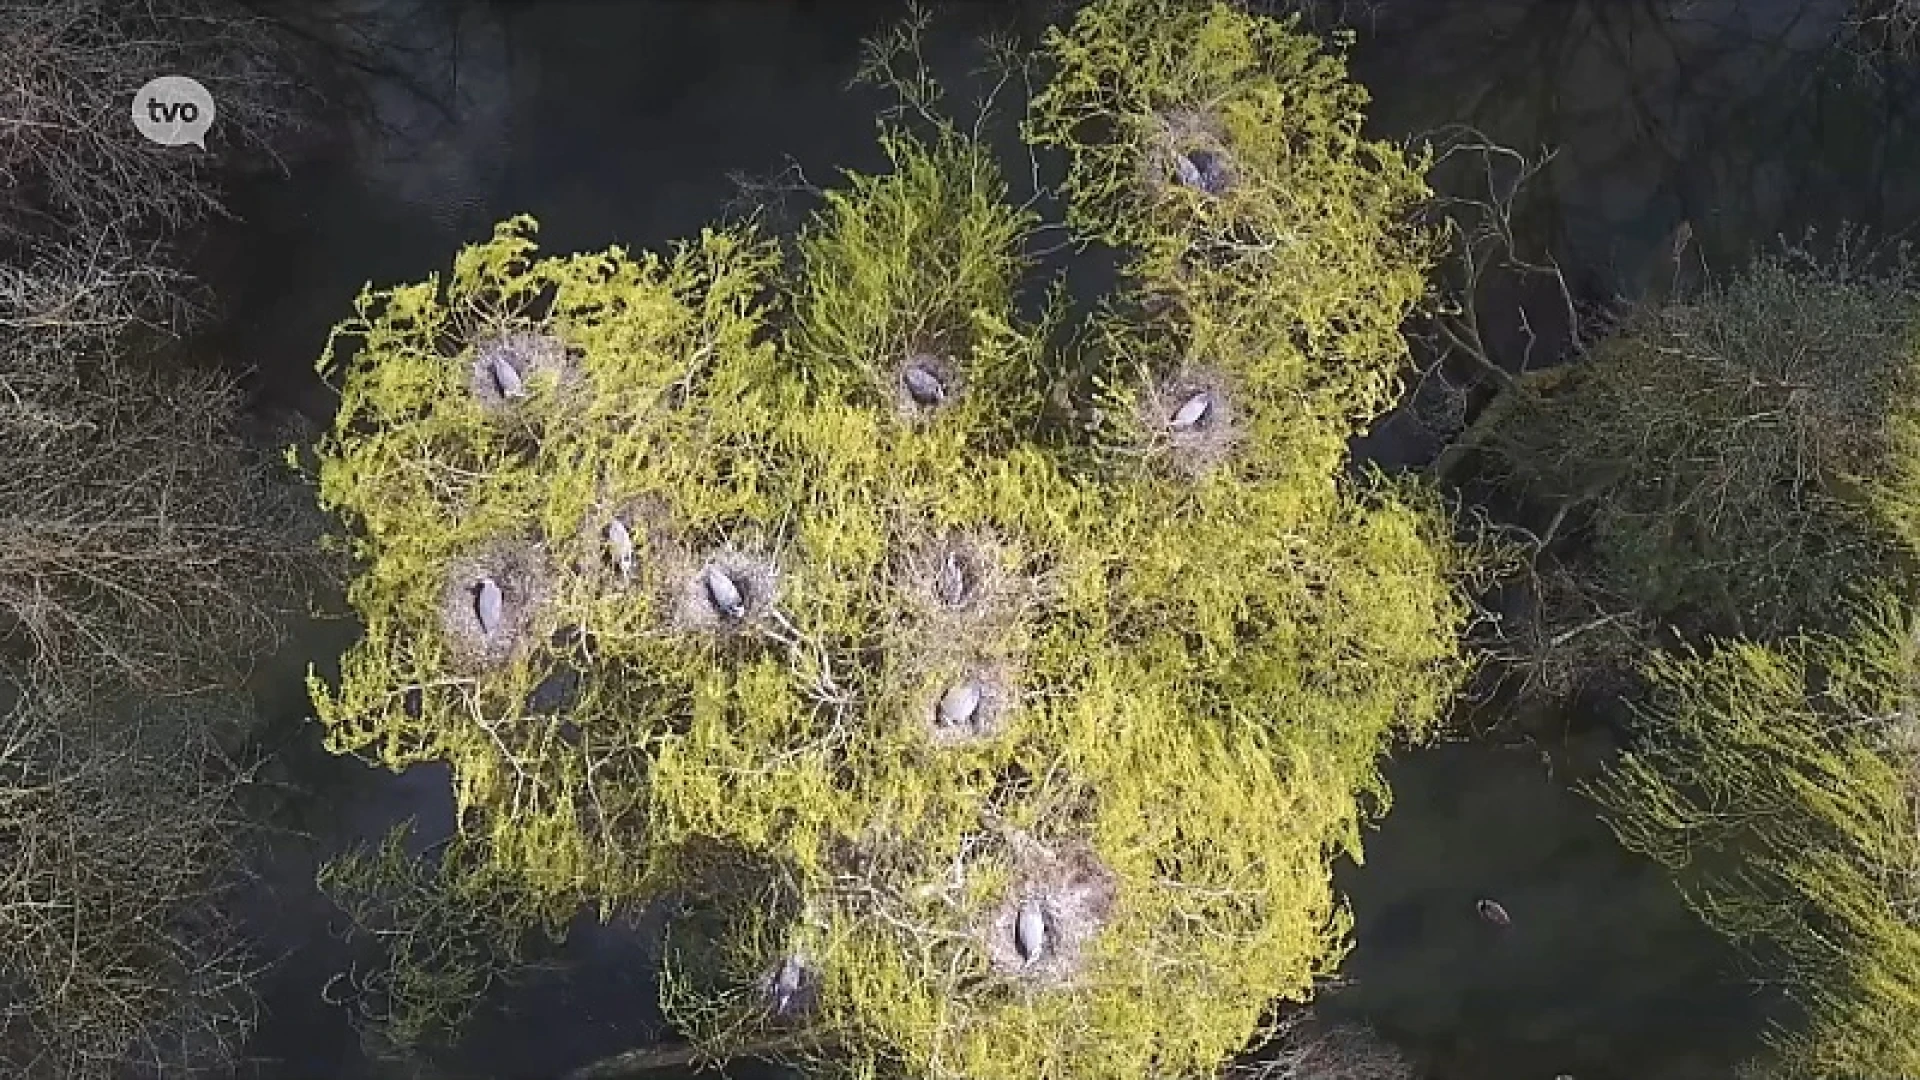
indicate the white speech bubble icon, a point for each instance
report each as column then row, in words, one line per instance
column 174, row 110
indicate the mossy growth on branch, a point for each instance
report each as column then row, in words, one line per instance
column 890, row 675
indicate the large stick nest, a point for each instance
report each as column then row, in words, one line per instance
column 532, row 359
column 647, row 525
column 994, row 690
column 1187, row 149
column 924, row 382
column 1075, row 895
column 690, row 594
column 525, row 581
column 1196, row 447
column 962, row 592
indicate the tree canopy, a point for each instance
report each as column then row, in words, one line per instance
column 1740, row 467
column 763, row 575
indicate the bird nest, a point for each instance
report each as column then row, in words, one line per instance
column 1192, row 418
column 967, row 703
column 925, row 382
column 1071, row 893
column 520, row 573
column 722, row 593
column 960, row 590
column 620, row 544
column 1188, row 149
column 506, row 367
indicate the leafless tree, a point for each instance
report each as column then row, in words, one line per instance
column 68, row 72
column 1307, row 1048
column 140, row 537
column 119, row 835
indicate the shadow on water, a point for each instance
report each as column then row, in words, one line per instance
column 621, row 123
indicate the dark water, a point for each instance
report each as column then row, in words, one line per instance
column 621, row 122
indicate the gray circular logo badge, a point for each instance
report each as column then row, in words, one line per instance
column 174, row 110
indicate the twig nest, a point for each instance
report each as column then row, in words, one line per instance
column 1039, row 934
column 1188, row 149
column 726, row 592
column 1192, row 418
column 925, row 382
column 505, row 364
column 792, row 987
column 961, row 592
column 489, row 602
column 968, row 704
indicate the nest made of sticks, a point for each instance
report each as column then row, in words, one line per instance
column 1073, row 894
column 1187, row 148
column 961, row 591
column 924, row 382
column 967, row 703
column 697, row 585
column 520, row 572
column 1192, row 418
column 507, row 366
column 644, row 535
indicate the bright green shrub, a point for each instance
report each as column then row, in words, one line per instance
column 1190, row 647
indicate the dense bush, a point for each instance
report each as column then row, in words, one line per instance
column 770, row 579
column 1736, row 462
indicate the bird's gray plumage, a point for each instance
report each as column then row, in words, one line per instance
column 1201, row 170
column 952, row 581
column 620, row 547
column 507, row 378
column 787, row 984
column 959, row 705
column 1193, row 412
column 486, row 605
column 1030, row 931
column 724, row 593
column 924, row 385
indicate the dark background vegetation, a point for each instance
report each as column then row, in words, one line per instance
column 629, row 122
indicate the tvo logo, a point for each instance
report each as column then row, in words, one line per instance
column 173, row 110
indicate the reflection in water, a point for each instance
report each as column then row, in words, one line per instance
column 622, row 123
column 1741, row 117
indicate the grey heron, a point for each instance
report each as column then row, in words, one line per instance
column 952, row 580
column 924, row 386
column 487, row 605
column 1030, row 930
column 786, row 985
column 620, row 547
column 959, row 705
column 507, row 378
column 724, row 594
column 1193, row 412
column 1204, row 171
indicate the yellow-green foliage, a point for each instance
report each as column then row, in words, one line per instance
column 1289, row 272
column 445, row 926
column 1203, row 670
column 1783, row 784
